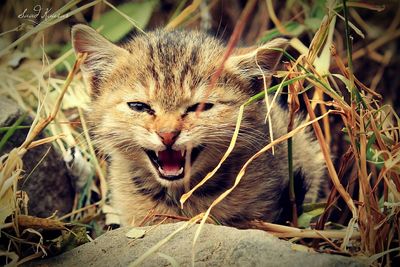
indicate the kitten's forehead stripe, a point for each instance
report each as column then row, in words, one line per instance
column 151, row 65
column 185, row 70
column 189, row 66
column 173, row 66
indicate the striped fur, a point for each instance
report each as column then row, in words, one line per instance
column 171, row 71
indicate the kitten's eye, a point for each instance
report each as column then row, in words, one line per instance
column 194, row 107
column 140, row 107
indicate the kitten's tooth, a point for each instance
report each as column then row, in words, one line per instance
column 157, row 153
column 180, row 171
column 182, row 152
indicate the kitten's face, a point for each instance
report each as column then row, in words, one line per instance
column 140, row 123
column 147, row 99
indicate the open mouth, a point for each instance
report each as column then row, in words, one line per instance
column 170, row 163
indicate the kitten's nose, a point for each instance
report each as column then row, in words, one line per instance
column 169, row 138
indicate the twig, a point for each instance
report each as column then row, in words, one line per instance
column 183, row 15
column 389, row 36
column 170, row 216
column 30, row 258
column 44, row 122
column 98, row 203
column 274, row 18
column 27, row 221
column 331, row 169
column 294, row 105
column 287, row 231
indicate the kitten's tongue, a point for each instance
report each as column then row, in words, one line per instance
column 171, row 162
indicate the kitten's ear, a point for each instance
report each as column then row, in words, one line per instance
column 101, row 53
column 244, row 61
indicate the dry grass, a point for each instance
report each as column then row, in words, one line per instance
column 321, row 75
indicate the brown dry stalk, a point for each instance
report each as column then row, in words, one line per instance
column 331, row 169
column 318, row 234
column 363, row 172
column 30, row 258
column 237, row 32
column 287, row 231
column 44, row 122
column 45, row 141
column 346, row 160
column 367, row 222
column 318, row 98
column 72, row 213
column 343, row 69
column 193, row 19
column 294, row 106
column 389, row 36
column 183, row 15
column 274, row 18
column 171, row 216
column 26, row 221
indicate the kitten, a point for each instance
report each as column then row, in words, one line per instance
column 145, row 95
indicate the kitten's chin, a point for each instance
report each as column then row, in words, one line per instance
column 170, row 164
column 170, row 183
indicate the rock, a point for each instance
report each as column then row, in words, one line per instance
column 216, row 246
column 46, row 180
column 49, row 186
column 9, row 111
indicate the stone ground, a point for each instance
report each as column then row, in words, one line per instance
column 216, row 246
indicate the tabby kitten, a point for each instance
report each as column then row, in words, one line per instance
column 144, row 113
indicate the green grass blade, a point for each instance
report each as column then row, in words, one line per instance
column 11, row 130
